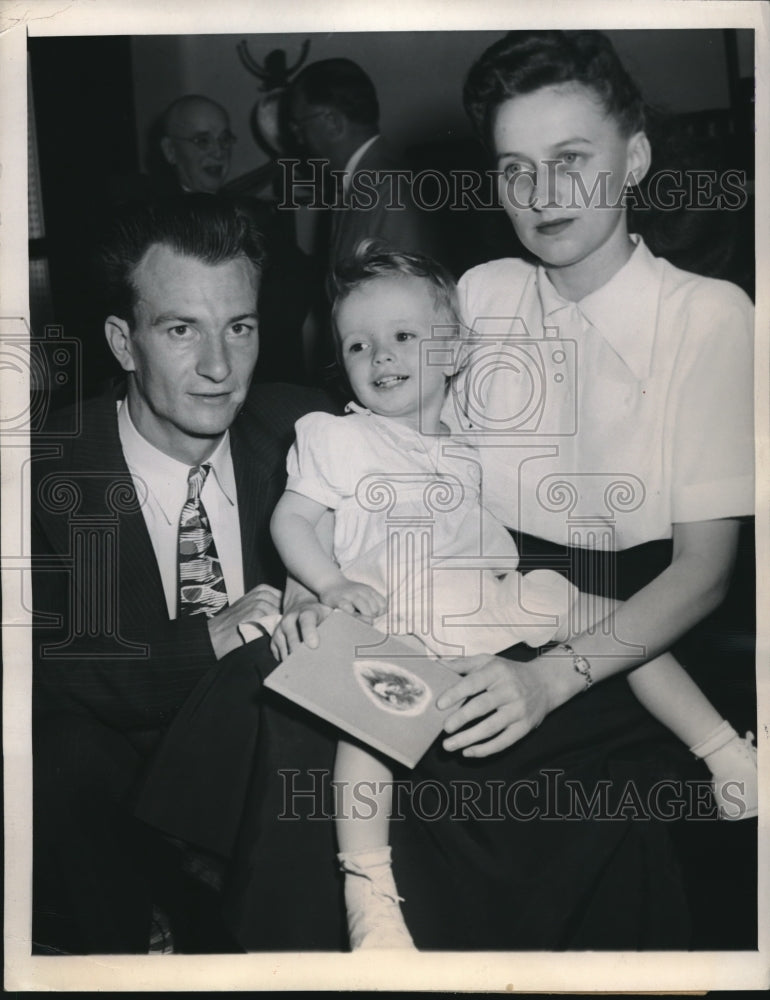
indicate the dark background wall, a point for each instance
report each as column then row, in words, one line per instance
column 418, row 75
column 94, row 99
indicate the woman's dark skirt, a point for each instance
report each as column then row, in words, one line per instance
column 574, row 838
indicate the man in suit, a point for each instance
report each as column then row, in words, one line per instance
column 151, row 546
column 334, row 114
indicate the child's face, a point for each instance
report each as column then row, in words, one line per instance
column 554, row 147
column 380, row 326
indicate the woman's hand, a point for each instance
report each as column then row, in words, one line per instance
column 297, row 626
column 510, row 698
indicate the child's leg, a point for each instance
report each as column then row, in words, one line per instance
column 669, row 693
column 364, row 797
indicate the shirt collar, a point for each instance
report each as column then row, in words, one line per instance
column 400, row 434
column 164, row 476
column 392, row 427
column 624, row 310
column 356, row 158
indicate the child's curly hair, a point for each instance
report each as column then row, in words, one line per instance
column 376, row 259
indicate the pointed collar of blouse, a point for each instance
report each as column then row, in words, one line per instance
column 624, row 310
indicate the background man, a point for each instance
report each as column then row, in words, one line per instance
column 197, row 142
column 190, row 146
column 152, row 527
column 334, row 114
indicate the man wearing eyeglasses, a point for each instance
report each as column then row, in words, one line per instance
column 197, row 143
column 334, row 116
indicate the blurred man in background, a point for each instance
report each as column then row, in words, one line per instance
column 334, row 115
column 197, row 142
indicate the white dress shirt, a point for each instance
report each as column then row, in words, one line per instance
column 354, row 160
column 161, row 486
column 616, row 416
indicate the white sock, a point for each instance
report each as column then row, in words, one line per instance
column 733, row 764
column 362, row 861
column 372, row 901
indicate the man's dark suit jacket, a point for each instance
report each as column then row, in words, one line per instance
column 405, row 228
column 136, row 669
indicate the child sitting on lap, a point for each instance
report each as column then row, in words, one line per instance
column 395, row 315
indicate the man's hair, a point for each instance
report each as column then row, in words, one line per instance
column 375, row 259
column 211, row 229
column 340, row 84
column 524, row 61
column 182, row 104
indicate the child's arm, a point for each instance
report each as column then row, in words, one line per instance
column 293, row 527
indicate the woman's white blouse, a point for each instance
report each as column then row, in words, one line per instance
column 604, row 422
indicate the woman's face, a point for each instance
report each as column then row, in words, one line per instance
column 564, row 164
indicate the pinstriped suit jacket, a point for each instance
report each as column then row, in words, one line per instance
column 103, row 643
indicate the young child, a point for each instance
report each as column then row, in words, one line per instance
column 393, row 314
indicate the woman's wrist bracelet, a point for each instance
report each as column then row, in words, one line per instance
column 579, row 663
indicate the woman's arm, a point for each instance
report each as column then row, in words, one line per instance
column 520, row 695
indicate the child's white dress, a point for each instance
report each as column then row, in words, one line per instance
column 410, row 522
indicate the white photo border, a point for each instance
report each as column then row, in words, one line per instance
column 477, row 972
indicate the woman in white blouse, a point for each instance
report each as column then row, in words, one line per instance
column 611, row 396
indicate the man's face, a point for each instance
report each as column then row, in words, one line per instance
column 309, row 125
column 198, row 146
column 191, row 351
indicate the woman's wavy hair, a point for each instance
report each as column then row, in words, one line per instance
column 524, row 61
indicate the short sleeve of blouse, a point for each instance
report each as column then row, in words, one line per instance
column 712, row 455
column 488, row 295
column 321, row 462
column 492, row 290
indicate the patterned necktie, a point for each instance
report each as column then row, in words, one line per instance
column 202, row 588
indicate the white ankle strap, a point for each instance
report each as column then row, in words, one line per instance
column 358, row 861
column 720, row 737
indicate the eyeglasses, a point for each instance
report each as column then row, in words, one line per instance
column 296, row 123
column 206, row 143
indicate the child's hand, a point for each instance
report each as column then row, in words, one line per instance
column 355, row 599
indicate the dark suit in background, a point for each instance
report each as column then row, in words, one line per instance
column 385, row 208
